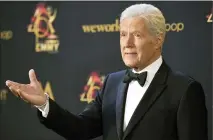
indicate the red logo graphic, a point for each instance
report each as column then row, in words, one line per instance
column 42, row 26
column 209, row 17
column 94, row 84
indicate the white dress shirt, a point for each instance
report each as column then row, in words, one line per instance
column 135, row 91
column 134, row 94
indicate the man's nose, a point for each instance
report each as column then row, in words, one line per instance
column 129, row 40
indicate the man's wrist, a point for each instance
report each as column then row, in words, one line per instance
column 42, row 106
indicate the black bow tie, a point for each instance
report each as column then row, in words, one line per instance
column 141, row 78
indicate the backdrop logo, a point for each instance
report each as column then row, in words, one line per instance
column 48, row 89
column 93, row 85
column 115, row 27
column 3, row 95
column 6, row 35
column 209, row 17
column 174, row 27
column 42, row 26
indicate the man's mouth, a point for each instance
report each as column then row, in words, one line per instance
column 130, row 53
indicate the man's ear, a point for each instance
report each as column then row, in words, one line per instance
column 158, row 41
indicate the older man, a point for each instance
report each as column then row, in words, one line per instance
column 149, row 101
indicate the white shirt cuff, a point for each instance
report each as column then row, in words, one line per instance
column 44, row 108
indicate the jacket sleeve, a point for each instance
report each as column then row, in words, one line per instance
column 86, row 125
column 192, row 114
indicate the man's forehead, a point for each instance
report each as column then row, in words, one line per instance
column 135, row 22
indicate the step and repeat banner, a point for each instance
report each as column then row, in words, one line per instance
column 72, row 46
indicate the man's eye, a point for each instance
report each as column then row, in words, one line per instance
column 137, row 35
column 122, row 34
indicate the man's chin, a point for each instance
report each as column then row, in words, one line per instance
column 131, row 65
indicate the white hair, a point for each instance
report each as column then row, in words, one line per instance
column 151, row 14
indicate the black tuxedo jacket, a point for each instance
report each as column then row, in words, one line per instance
column 173, row 108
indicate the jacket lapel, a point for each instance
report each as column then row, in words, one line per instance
column 153, row 92
column 120, row 103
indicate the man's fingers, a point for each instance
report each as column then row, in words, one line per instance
column 15, row 92
column 32, row 76
column 14, row 84
column 19, row 93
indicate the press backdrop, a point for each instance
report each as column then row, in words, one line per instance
column 72, row 46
